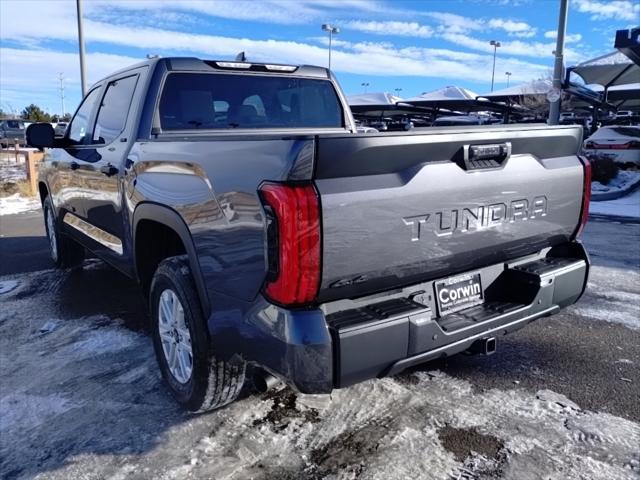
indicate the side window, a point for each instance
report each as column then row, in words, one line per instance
column 80, row 124
column 114, row 109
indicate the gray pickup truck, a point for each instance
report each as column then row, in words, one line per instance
column 266, row 231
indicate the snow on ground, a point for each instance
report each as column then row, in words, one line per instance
column 16, row 203
column 82, row 397
column 620, row 182
column 12, row 171
column 627, row 206
column 8, row 285
column 614, row 297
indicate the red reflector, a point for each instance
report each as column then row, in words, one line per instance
column 586, row 196
column 297, row 212
column 614, row 146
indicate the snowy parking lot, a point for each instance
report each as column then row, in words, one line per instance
column 81, row 396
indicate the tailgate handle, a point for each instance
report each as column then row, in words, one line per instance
column 489, row 156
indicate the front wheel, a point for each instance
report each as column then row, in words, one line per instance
column 64, row 251
column 197, row 379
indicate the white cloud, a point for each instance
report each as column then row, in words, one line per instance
column 31, row 76
column 453, row 23
column 616, row 9
column 515, row 47
column 568, row 38
column 517, row 29
column 390, row 28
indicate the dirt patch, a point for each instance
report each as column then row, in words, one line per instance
column 285, row 409
column 463, row 442
column 10, row 188
column 348, row 451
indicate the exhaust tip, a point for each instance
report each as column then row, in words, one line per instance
column 264, row 381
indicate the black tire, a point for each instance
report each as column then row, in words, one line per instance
column 212, row 382
column 67, row 252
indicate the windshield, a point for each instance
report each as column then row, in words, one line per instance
column 15, row 124
column 227, row 101
column 626, row 131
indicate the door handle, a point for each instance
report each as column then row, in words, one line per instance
column 74, row 165
column 109, row 170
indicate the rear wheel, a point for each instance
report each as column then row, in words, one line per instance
column 196, row 377
column 64, row 251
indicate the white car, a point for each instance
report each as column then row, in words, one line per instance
column 624, row 114
column 60, row 129
column 622, row 143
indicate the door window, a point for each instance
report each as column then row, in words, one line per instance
column 80, row 123
column 112, row 116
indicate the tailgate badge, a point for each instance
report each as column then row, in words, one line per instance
column 446, row 222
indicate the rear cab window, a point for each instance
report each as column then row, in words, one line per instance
column 198, row 101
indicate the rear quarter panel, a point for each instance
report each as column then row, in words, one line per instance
column 213, row 185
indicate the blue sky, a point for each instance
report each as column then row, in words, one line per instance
column 415, row 45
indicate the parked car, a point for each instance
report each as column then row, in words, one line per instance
column 266, row 231
column 623, row 114
column 60, row 129
column 11, row 132
column 622, row 143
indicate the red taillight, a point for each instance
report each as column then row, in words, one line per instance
column 586, row 196
column 632, row 145
column 296, row 209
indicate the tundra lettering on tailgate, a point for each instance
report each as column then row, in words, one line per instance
column 446, row 222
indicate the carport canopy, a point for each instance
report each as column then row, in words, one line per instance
column 454, row 98
column 608, row 70
column 534, row 88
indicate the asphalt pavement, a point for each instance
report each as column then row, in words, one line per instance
column 536, row 357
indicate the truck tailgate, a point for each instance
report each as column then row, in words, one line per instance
column 398, row 209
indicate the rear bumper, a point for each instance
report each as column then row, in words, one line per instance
column 347, row 342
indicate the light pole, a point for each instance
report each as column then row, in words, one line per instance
column 508, row 74
column 558, row 68
column 495, row 48
column 397, row 90
column 365, row 85
column 83, row 83
column 61, row 78
column 332, row 31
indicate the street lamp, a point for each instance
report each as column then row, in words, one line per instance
column 495, row 48
column 365, row 85
column 508, row 74
column 332, row 31
column 398, row 90
column 83, row 83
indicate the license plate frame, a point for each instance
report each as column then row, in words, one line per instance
column 465, row 288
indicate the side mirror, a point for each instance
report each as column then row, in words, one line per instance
column 40, row 135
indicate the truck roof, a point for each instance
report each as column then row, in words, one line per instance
column 194, row 64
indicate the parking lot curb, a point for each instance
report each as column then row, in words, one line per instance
column 614, row 218
column 600, row 197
